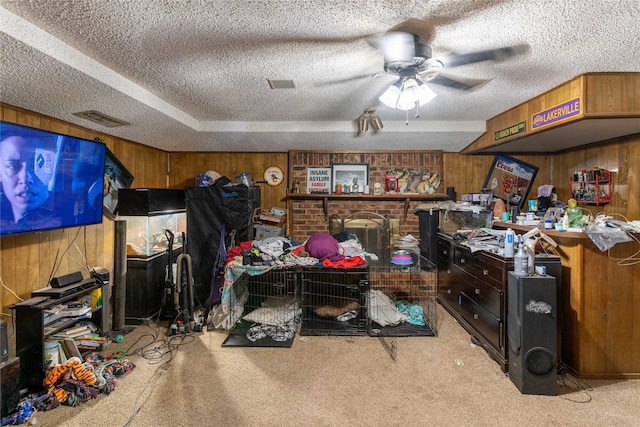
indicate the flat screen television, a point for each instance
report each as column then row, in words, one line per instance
column 48, row 180
column 116, row 177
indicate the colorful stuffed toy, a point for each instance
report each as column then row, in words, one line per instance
column 70, row 376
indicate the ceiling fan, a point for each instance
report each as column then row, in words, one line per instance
column 406, row 57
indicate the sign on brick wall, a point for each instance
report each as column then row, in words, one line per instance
column 318, row 180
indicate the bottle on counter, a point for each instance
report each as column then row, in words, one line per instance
column 565, row 222
column 509, row 236
column 530, row 250
column 521, row 262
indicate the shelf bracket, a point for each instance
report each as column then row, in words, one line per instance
column 325, row 207
column 407, row 202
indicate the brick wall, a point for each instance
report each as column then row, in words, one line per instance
column 307, row 216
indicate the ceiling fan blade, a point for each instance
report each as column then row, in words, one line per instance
column 462, row 84
column 499, row 54
column 395, row 45
column 350, row 79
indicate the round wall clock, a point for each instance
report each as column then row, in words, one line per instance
column 273, row 175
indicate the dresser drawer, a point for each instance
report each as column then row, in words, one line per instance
column 444, row 252
column 487, row 297
column 464, row 260
column 445, row 281
column 449, row 289
column 481, row 320
column 491, row 271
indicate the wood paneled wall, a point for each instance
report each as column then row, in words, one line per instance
column 622, row 157
column 28, row 260
column 467, row 173
column 603, row 95
column 184, row 167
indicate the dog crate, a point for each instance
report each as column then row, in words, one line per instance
column 271, row 308
column 374, row 231
column 401, row 300
column 333, row 301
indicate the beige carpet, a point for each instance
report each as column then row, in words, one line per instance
column 337, row 381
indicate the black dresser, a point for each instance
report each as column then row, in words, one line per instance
column 472, row 287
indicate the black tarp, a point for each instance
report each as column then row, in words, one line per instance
column 207, row 209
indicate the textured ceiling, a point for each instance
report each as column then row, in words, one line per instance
column 191, row 75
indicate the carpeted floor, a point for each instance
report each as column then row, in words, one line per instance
column 336, row 381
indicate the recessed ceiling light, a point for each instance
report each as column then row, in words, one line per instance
column 282, row 84
column 100, row 118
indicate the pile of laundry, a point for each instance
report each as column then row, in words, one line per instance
column 71, row 383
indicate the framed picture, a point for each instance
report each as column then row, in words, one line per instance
column 510, row 179
column 116, row 176
column 349, row 173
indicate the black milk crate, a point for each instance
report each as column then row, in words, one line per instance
column 333, row 301
column 412, row 291
column 272, row 298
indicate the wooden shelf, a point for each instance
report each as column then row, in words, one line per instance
column 406, row 198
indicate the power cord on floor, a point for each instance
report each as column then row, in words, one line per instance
column 568, row 380
column 155, row 352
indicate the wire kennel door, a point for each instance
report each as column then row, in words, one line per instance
column 401, row 301
column 333, row 301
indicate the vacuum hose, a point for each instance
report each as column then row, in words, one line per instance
column 183, row 261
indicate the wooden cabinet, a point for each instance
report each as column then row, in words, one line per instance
column 32, row 329
column 600, row 295
column 472, row 288
column 146, row 288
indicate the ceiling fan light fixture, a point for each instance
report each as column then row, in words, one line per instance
column 407, row 93
column 422, row 93
column 391, row 96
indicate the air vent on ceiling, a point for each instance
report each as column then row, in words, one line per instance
column 100, row 118
column 282, row 84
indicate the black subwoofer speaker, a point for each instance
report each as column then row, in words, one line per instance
column 532, row 318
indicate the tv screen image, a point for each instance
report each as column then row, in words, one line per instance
column 116, row 177
column 48, row 180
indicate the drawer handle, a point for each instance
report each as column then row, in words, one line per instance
column 461, row 260
column 448, row 271
column 475, row 316
column 445, row 252
column 477, row 291
column 449, row 291
column 485, row 272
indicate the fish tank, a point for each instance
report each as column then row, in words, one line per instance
column 147, row 235
column 452, row 220
column 153, row 215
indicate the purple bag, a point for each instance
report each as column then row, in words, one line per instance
column 323, row 246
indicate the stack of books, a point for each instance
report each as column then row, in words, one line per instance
column 91, row 342
column 76, row 331
column 74, row 309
